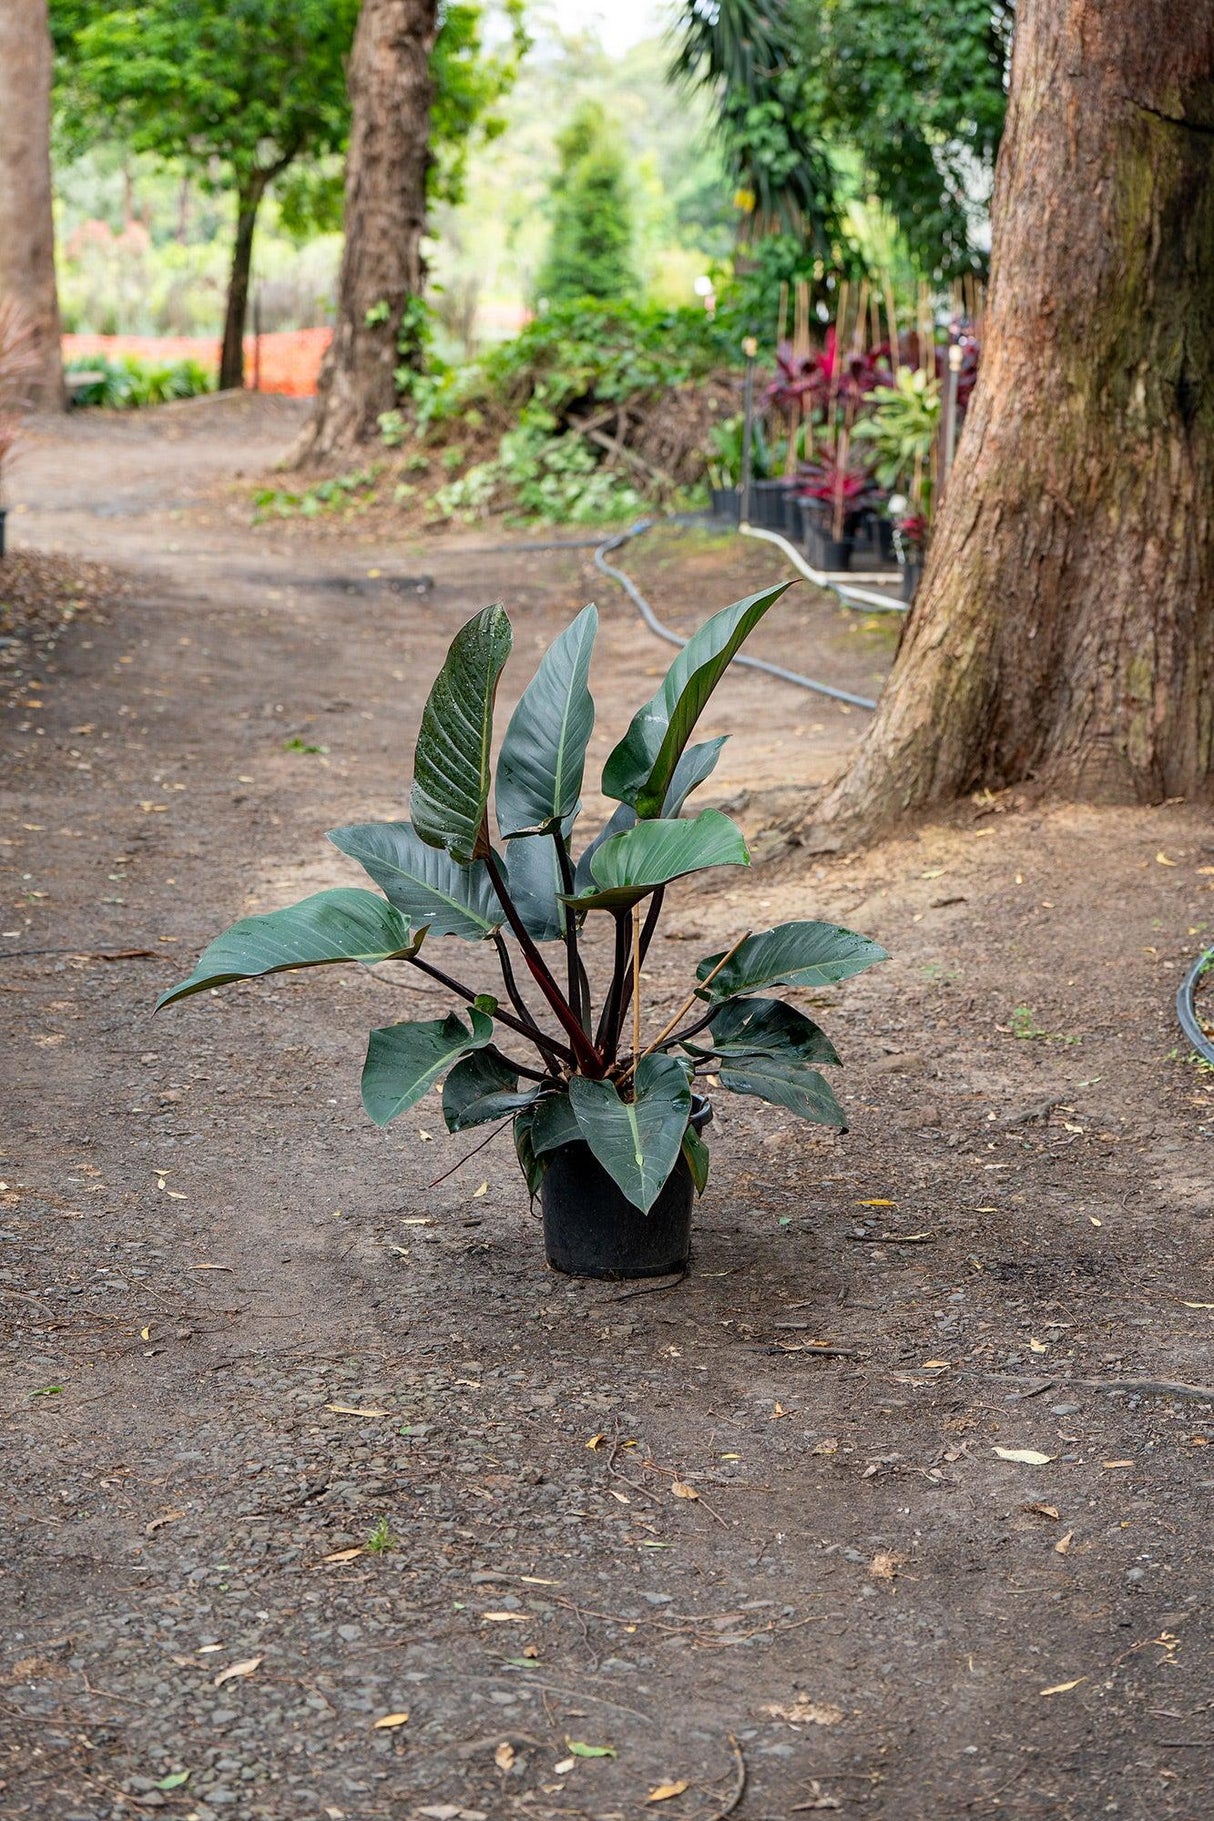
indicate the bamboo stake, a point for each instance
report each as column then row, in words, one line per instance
column 891, row 316
column 636, row 981
column 672, row 1024
column 782, row 324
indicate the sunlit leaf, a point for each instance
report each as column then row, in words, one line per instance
column 792, row 954
column 539, row 770
column 348, row 924
column 424, row 882
column 637, row 1142
column 629, row 866
column 640, row 769
column 405, row 1060
column 451, row 767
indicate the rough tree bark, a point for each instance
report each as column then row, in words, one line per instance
column 1064, row 631
column 27, row 231
column 385, row 216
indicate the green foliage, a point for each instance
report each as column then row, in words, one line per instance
column 918, row 89
column 338, row 492
column 444, row 875
column 590, row 252
column 565, row 364
column 469, row 84
column 129, row 382
column 903, row 427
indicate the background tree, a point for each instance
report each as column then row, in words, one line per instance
column 236, row 90
column 1064, row 631
column 383, row 273
column 918, row 90
column 590, row 250
column 27, row 234
column 745, row 55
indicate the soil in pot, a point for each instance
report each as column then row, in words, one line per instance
column 592, row 1230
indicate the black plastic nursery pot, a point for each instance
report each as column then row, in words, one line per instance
column 592, row 1230
column 726, row 504
column 825, row 552
column 910, row 580
column 767, row 504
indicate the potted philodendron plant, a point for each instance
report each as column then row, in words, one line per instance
column 608, row 1125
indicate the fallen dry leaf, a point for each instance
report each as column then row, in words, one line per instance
column 342, row 1555
column 1028, row 1457
column 506, row 1618
column 169, row 1517
column 483, row 1190
column 806, row 1713
column 665, row 1791
column 354, row 1410
column 1161, row 859
column 884, row 1565
column 1046, row 1511
column 234, row 1670
column 596, row 1442
column 503, row 1757
column 388, row 1722
column 1062, row 1688
column 1116, row 1463
column 876, row 1204
column 1063, row 1545
column 1038, row 1346
column 564, row 1767
column 682, row 1490
column 1197, row 1305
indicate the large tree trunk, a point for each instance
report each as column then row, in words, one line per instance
column 385, row 217
column 1064, row 632
column 231, row 358
column 27, row 231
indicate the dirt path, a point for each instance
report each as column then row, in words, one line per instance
column 242, row 1336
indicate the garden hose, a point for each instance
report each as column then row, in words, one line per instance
column 1186, row 1007
column 673, row 638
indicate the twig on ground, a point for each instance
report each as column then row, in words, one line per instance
column 739, row 1787
column 890, row 1239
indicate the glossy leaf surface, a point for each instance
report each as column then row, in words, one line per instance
column 696, row 1153
column 640, row 769
column 533, row 878
column 405, row 1060
column 451, row 767
column 638, row 1142
column 554, row 1125
column 746, row 1027
column 792, row 954
column 482, row 1087
column 630, row 865
column 786, row 1081
column 424, row 882
column 543, row 756
column 348, row 924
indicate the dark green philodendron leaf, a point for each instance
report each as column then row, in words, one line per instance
column 539, row 769
column 451, row 766
column 424, row 882
column 533, row 876
column 637, row 1142
column 532, row 1166
column 746, row 1027
column 792, row 954
column 696, row 1153
column 785, row 1080
column 482, row 1087
column 630, row 865
column 640, row 769
column 405, row 1060
column 554, row 1124
column 697, row 763
column 583, row 879
column 348, row 924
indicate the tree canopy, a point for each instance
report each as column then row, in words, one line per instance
column 590, row 252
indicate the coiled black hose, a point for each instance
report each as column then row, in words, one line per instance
column 1186, row 1006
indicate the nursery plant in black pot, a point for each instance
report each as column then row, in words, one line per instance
column 608, row 1127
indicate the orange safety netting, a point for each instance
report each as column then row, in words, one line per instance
column 289, row 358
